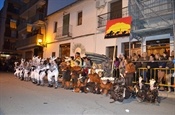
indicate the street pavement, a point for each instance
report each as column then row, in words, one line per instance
column 25, row 98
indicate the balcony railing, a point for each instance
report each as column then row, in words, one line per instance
column 30, row 4
column 22, row 26
column 103, row 18
column 16, row 1
column 64, row 33
column 13, row 10
column 29, row 42
column 38, row 16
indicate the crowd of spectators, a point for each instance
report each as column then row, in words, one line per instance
column 156, row 66
column 7, row 64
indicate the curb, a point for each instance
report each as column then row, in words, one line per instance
column 167, row 94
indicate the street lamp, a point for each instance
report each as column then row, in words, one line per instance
column 40, row 42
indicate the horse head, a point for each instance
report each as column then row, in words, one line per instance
column 152, row 84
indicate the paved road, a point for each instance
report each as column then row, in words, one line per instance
column 24, row 98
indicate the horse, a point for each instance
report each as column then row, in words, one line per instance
column 145, row 93
column 75, row 72
column 52, row 71
column 66, row 74
column 106, row 87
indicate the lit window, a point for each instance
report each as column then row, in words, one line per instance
column 12, row 23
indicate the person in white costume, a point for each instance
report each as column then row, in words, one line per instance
column 42, row 73
column 52, row 72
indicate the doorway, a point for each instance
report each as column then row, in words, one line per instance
column 110, row 52
column 64, row 50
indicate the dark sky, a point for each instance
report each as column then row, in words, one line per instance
column 55, row 5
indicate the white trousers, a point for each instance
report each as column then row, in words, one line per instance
column 51, row 74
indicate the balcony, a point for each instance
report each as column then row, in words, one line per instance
column 30, row 41
column 22, row 26
column 13, row 10
column 37, row 17
column 32, row 3
column 9, row 46
column 64, row 33
column 16, row 1
column 103, row 18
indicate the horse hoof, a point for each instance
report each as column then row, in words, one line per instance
column 56, row 87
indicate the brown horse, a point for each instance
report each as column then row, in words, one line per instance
column 75, row 72
column 106, row 87
column 66, row 77
column 94, row 77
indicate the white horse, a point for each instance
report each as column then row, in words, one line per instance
column 26, row 71
column 140, row 82
column 42, row 73
column 52, row 72
column 152, row 84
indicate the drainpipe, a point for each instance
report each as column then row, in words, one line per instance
column 173, row 29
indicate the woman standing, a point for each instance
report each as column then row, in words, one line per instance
column 129, row 72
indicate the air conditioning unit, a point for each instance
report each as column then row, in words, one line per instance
column 100, row 3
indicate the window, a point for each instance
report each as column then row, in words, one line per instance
column 13, row 33
column 79, row 18
column 55, row 27
column 13, row 23
column 116, row 9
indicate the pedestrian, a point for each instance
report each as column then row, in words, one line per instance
column 129, row 72
column 116, row 67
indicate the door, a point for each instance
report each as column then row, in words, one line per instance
column 66, row 19
column 28, row 55
column 64, row 50
column 110, row 52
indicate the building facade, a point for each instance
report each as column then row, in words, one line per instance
column 32, row 28
column 153, row 24
column 9, row 20
column 80, row 27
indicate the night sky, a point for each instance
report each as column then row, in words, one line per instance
column 1, row 3
column 54, row 5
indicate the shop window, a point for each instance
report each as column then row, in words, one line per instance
column 158, row 46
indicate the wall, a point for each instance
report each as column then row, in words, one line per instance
column 92, row 43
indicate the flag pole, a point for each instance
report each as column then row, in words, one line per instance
column 115, row 45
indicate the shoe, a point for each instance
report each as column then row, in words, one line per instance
column 50, row 85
